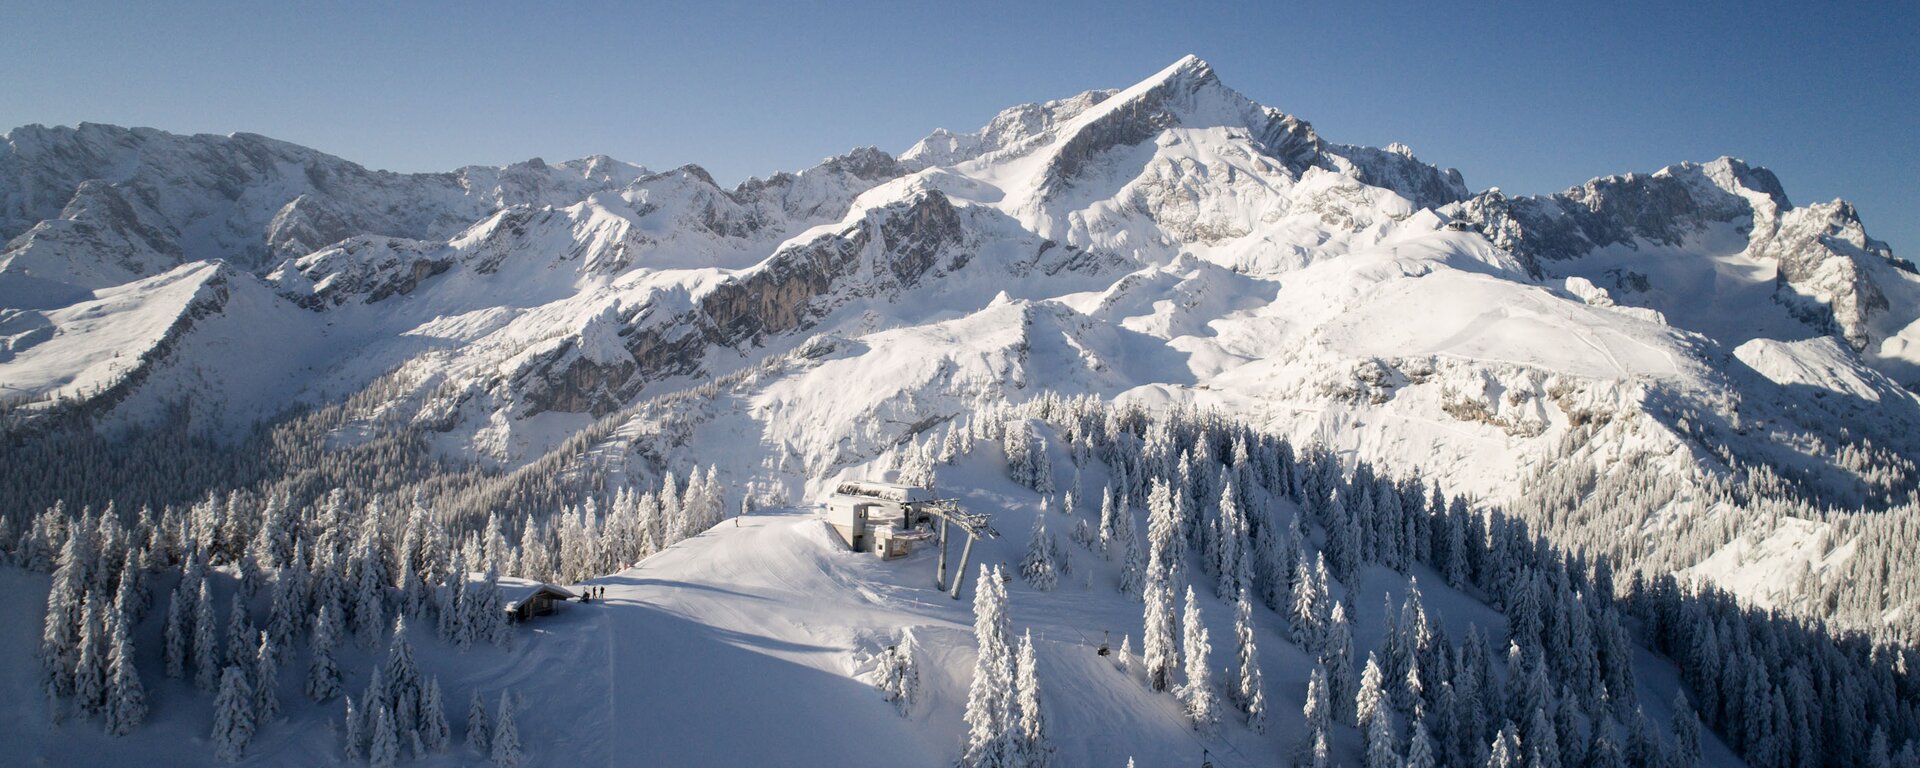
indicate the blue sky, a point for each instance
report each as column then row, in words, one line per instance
column 1531, row 97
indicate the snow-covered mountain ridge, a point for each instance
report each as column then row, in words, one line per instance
column 1170, row 242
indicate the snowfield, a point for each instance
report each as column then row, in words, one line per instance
column 753, row 643
column 1682, row 372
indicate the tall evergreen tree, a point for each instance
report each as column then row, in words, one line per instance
column 1686, row 732
column 990, row 698
column 479, row 732
column 1318, row 710
column 1249, row 688
column 434, row 731
column 178, row 636
column 1420, row 752
column 126, row 698
column 383, row 751
column 233, row 717
column 1371, row 701
column 1337, row 657
column 266, row 681
column 242, row 639
column 323, row 675
column 1038, row 567
column 1035, row 747
column 206, row 650
column 506, row 735
column 1380, row 741
column 90, row 669
column 1507, row 751
column 403, row 677
column 1197, row 693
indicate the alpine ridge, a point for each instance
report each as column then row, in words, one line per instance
column 1172, row 243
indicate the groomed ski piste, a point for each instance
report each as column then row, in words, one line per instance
column 753, row 644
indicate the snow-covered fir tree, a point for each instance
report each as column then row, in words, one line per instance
column 1035, row 749
column 383, row 749
column 1371, row 700
column 505, row 745
column 206, row 649
column 435, row 733
column 1038, row 566
column 1197, row 693
column 1380, row 749
column 1318, row 711
column 178, row 636
column 990, row 712
column 233, row 716
column 479, row 731
column 1337, row 657
column 1249, row 689
column 898, row 675
column 266, row 680
column 323, row 673
column 126, row 705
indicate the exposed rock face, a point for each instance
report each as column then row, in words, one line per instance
column 367, row 269
column 890, row 250
column 1826, row 261
column 1397, row 169
column 96, row 205
column 1183, row 92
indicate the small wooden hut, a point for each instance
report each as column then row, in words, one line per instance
column 525, row 601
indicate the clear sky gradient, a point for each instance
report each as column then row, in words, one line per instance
column 1531, row 97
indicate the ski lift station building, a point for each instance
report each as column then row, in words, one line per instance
column 877, row 517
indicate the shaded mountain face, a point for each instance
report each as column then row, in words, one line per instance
column 1169, row 243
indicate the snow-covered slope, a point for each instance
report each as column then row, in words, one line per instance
column 1169, row 242
column 755, row 643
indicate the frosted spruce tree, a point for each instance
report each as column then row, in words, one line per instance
column 1337, row 657
column 1108, row 532
column 1686, row 732
column 242, row 639
column 506, row 735
column 383, row 751
column 1232, row 570
column 435, row 733
column 90, row 669
column 990, row 698
column 60, row 634
column 126, row 698
column 1038, row 566
column 1034, row 746
column 1379, row 740
column 1319, row 718
column 479, row 733
column 1159, row 655
column 899, row 677
column 1420, row 752
column 1507, row 751
column 232, row 716
column 178, row 636
column 1249, row 690
column 1310, row 613
column 1371, row 701
column 323, row 675
column 1197, row 694
column 1133, row 563
column 266, row 681
column 206, row 649
column 403, row 677
column 354, row 733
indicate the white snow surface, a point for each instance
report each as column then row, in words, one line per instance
column 751, row 644
column 1169, row 242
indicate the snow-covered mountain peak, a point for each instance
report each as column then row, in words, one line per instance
column 1170, row 242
